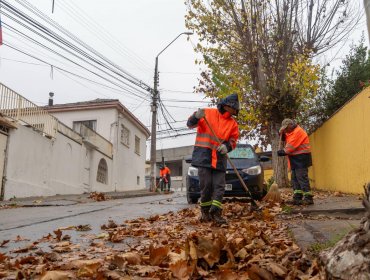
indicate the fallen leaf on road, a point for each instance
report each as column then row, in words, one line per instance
column 4, row 242
column 181, row 270
column 28, row 260
column 277, row 269
column 130, row 258
column 111, row 224
column 3, row 257
column 227, row 275
column 157, row 255
column 25, row 249
column 255, row 272
column 19, row 239
column 102, row 235
column 58, row 233
column 57, row 275
column 67, row 228
column 88, row 268
column 83, row 227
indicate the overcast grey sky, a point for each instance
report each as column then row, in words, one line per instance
column 142, row 28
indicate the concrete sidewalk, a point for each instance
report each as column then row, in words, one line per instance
column 347, row 204
column 321, row 225
column 72, row 199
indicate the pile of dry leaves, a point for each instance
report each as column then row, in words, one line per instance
column 173, row 246
column 98, row 196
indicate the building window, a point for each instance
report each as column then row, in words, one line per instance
column 137, row 145
column 138, row 180
column 125, row 135
column 89, row 123
column 102, row 175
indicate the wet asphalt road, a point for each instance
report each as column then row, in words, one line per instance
column 35, row 222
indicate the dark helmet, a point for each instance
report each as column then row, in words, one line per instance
column 232, row 101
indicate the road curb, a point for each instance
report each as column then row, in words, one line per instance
column 351, row 211
column 132, row 195
column 74, row 200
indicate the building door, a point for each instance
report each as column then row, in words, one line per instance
column 3, row 139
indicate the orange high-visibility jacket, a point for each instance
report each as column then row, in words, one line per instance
column 165, row 171
column 225, row 128
column 297, row 142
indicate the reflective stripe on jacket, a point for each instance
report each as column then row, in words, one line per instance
column 226, row 130
column 297, row 142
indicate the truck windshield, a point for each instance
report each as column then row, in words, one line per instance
column 242, row 152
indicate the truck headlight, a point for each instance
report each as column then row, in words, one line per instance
column 255, row 170
column 193, row 171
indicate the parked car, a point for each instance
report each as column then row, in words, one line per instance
column 249, row 167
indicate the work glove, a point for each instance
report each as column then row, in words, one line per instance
column 281, row 153
column 199, row 114
column 222, row 149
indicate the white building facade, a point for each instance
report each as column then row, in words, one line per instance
column 113, row 121
column 69, row 148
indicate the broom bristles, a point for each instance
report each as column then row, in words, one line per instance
column 273, row 194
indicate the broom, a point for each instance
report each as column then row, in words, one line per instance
column 273, row 194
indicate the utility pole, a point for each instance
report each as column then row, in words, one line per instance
column 153, row 142
column 154, row 108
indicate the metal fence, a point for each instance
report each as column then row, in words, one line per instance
column 22, row 110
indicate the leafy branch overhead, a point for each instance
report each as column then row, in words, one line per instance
column 263, row 50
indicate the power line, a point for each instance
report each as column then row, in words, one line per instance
column 185, row 101
column 70, row 60
column 66, row 71
column 175, row 136
column 20, row 61
column 36, row 11
column 101, row 60
column 69, row 72
column 108, row 39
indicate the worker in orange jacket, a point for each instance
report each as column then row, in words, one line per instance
column 297, row 148
column 210, row 157
column 165, row 175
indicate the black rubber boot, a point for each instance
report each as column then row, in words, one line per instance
column 297, row 200
column 216, row 214
column 307, row 200
column 205, row 215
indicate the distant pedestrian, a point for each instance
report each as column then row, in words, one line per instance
column 210, row 157
column 165, row 175
column 297, row 148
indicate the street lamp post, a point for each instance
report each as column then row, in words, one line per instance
column 155, row 95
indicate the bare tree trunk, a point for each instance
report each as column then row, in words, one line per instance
column 279, row 163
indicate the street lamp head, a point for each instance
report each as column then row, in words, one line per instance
column 188, row 33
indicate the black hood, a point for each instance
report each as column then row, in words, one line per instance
column 231, row 101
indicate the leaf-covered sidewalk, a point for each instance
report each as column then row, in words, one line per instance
column 173, row 246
